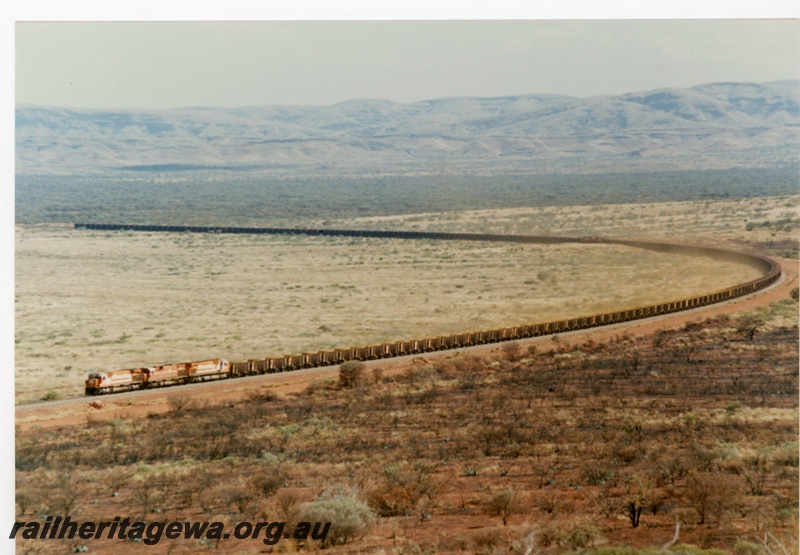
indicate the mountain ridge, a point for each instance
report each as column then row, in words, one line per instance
column 718, row 124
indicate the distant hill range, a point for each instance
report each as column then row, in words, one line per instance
column 718, row 125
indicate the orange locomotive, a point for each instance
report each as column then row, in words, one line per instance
column 156, row 376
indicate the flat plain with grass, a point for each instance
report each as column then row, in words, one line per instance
column 96, row 301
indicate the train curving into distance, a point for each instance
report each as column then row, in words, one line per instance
column 189, row 372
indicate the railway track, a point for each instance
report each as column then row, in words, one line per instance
column 75, row 410
column 145, row 378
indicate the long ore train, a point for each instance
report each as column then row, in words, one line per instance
column 188, row 372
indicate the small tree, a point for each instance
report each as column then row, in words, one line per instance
column 504, row 503
column 406, row 489
column 351, row 374
column 242, row 496
column 711, row 494
column 638, row 495
column 749, row 326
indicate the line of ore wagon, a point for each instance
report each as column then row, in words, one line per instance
column 189, row 372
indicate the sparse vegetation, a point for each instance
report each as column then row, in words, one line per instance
column 596, row 442
column 193, row 198
column 599, row 446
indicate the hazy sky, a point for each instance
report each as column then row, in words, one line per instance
column 169, row 64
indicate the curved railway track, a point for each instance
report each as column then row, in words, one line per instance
column 769, row 269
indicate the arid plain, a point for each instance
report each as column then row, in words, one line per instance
column 600, row 441
column 88, row 300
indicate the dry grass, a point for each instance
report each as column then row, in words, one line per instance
column 97, row 301
column 687, row 221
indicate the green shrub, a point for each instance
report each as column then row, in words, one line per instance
column 349, row 517
column 52, row 395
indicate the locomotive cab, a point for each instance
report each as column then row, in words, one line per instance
column 94, row 383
